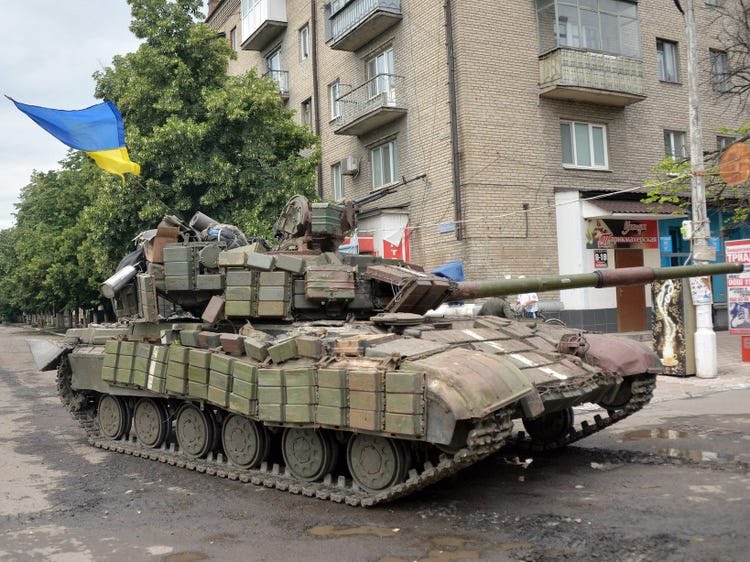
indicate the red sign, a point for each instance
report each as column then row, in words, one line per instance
column 631, row 233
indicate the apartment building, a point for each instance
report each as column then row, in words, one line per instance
column 519, row 114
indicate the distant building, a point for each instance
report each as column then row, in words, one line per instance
column 517, row 112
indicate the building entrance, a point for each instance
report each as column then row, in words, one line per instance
column 631, row 301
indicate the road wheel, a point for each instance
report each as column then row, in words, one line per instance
column 377, row 463
column 196, row 430
column 151, row 422
column 309, row 454
column 246, row 442
column 551, row 427
column 113, row 416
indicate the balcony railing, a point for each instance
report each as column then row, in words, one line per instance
column 262, row 23
column 360, row 21
column 375, row 103
column 281, row 77
column 580, row 75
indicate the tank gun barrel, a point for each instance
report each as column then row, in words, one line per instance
column 467, row 290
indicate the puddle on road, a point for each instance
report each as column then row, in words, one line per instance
column 185, row 557
column 329, row 531
column 675, row 452
column 659, row 433
column 452, row 549
column 698, row 456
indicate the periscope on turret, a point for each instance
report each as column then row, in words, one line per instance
column 266, row 363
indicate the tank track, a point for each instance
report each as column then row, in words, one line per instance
column 484, row 440
column 642, row 390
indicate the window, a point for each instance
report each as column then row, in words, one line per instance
column 724, row 141
column 719, row 70
column 304, row 42
column 604, row 25
column 584, row 145
column 666, row 57
column 233, row 38
column 306, row 112
column 384, row 159
column 334, row 105
column 380, row 74
column 336, row 182
column 273, row 60
column 674, row 144
column 338, row 5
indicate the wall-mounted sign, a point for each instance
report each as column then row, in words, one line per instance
column 629, row 233
column 600, row 259
column 738, row 287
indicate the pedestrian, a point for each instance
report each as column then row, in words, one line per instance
column 527, row 305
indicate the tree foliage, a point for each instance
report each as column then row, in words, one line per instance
column 205, row 141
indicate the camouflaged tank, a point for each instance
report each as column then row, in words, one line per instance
column 315, row 372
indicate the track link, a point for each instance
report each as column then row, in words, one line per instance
column 486, row 439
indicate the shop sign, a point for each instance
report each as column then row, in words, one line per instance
column 738, row 287
column 628, row 233
column 600, row 259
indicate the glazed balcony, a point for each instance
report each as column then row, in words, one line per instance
column 579, row 75
column 375, row 103
column 262, row 22
column 354, row 23
column 281, row 77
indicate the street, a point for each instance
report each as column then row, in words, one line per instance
column 670, row 483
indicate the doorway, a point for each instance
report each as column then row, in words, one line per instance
column 631, row 300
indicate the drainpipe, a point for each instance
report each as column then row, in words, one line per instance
column 316, row 100
column 456, row 165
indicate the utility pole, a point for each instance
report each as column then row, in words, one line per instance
column 705, row 338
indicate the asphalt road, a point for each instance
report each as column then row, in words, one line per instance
column 670, row 483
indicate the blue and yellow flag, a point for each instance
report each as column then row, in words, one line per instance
column 97, row 130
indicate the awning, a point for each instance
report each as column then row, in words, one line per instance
column 602, row 208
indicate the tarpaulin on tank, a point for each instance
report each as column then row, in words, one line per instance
column 453, row 270
column 620, row 355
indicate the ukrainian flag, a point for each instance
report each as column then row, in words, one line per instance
column 97, row 130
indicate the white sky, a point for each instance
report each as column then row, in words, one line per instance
column 50, row 49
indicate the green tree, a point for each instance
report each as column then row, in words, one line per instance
column 206, row 141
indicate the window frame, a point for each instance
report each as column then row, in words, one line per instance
column 337, row 182
column 661, row 59
column 233, row 38
column 334, row 105
column 306, row 113
column 592, row 151
column 393, row 156
column 304, row 42
column 670, row 153
column 724, row 141
column 719, row 79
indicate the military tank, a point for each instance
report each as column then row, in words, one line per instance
column 303, row 369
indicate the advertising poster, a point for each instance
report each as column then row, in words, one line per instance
column 738, row 287
column 600, row 259
column 669, row 326
column 612, row 233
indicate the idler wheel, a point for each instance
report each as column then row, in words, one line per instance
column 113, row 416
column 377, row 463
column 246, row 442
column 151, row 422
column 196, row 430
column 621, row 399
column 551, row 427
column 309, row 454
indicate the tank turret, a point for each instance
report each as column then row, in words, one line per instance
column 265, row 363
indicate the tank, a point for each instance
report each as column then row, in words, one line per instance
column 297, row 367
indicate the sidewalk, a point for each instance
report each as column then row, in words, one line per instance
column 733, row 374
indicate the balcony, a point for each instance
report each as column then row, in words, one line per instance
column 359, row 22
column 281, row 77
column 586, row 76
column 375, row 103
column 262, row 21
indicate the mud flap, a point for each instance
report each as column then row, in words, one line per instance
column 532, row 405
